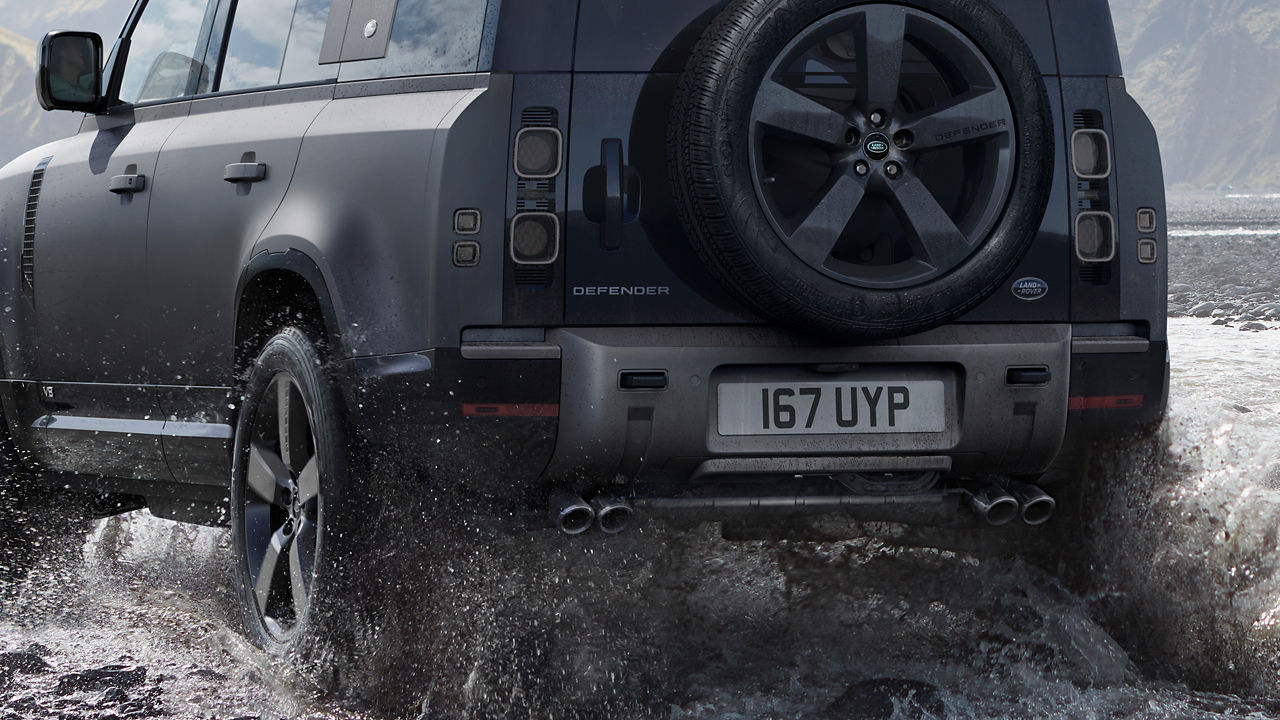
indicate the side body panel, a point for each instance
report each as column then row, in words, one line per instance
column 373, row 202
column 97, row 411
column 203, row 228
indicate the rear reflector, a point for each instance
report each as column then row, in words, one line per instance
column 510, row 410
column 1110, row 402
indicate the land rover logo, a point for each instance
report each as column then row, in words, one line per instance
column 877, row 146
column 1030, row 289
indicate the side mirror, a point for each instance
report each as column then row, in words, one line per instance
column 70, row 74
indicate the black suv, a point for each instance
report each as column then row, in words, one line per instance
column 726, row 258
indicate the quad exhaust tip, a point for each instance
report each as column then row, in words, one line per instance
column 1036, row 504
column 993, row 505
column 570, row 513
column 998, row 506
column 613, row 513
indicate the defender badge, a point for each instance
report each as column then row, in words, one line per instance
column 1030, row 289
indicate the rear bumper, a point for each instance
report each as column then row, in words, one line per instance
column 992, row 424
column 515, row 418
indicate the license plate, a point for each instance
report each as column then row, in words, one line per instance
column 830, row 408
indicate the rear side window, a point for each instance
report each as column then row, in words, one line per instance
column 302, row 56
column 429, row 37
column 162, row 62
column 255, row 48
column 274, row 42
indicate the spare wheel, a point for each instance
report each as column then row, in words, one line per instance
column 861, row 170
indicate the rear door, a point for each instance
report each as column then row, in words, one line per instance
column 627, row 257
column 88, row 257
column 226, row 171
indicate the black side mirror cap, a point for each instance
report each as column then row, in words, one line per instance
column 70, row 73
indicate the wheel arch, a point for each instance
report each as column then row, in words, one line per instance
column 268, row 282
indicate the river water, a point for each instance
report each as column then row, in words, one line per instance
column 1167, row 606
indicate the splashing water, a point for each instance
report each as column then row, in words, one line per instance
column 1174, row 585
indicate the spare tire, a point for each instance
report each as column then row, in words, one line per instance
column 856, row 199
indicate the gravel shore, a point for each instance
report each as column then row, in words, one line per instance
column 1224, row 259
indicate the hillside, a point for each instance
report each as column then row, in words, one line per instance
column 1208, row 73
column 23, row 124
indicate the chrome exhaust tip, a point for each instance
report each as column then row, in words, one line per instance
column 613, row 513
column 993, row 505
column 1036, row 504
column 570, row 513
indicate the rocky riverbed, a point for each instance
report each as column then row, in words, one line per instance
column 1224, row 259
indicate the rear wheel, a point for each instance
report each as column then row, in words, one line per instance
column 289, row 480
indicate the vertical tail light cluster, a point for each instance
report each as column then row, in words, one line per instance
column 1095, row 226
column 535, row 234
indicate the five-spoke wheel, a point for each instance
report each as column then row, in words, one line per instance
column 288, row 478
column 282, row 506
column 882, row 146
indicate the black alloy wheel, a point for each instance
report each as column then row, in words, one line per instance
column 861, row 170
column 282, row 507
column 887, row 172
column 288, row 477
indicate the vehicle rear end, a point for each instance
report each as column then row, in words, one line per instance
column 813, row 256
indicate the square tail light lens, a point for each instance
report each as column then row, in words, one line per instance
column 538, row 153
column 1095, row 237
column 1091, row 154
column 535, row 238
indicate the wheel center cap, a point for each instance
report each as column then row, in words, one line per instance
column 876, row 146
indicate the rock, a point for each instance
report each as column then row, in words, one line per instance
column 1253, row 326
column 24, row 662
column 112, row 696
column 875, row 700
column 1221, row 321
column 1179, row 288
column 1240, row 408
column 1204, row 309
column 93, row 680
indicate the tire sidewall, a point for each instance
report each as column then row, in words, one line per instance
column 292, row 352
column 729, row 225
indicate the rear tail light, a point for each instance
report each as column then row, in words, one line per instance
column 1091, row 154
column 1095, row 237
column 538, row 153
column 535, row 238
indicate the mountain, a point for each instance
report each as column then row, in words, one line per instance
column 23, row 124
column 1208, row 74
column 1207, row 71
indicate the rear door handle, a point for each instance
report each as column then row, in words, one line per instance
column 127, row 184
column 611, row 161
column 245, row 172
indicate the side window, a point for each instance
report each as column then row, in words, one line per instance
column 255, row 47
column 302, row 57
column 162, row 61
column 275, row 42
column 428, row 37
